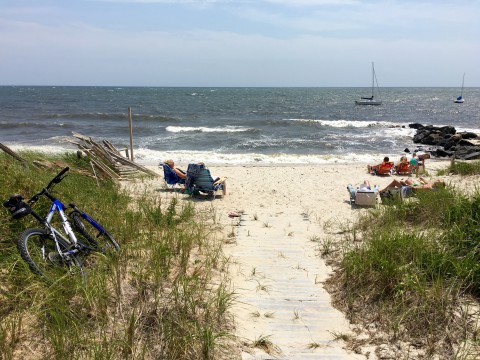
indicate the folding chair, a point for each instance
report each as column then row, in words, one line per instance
column 199, row 180
column 170, row 177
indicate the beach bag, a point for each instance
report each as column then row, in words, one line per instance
column 366, row 197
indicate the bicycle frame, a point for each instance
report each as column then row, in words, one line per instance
column 88, row 218
column 58, row 206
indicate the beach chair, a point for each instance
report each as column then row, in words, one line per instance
column 383, row 169
column 199, row 180
column 403, row 169
column 421, row 162
column 170, row 177
column 363, row 196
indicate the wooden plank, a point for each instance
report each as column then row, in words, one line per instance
column 110, row 147
column 103, row 154
column 105, row 170
column 13, row 154
column 72, row 142
column 98, row 161
column 81, row 137
column 131, row 163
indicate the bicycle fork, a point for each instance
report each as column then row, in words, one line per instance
column 58, row 206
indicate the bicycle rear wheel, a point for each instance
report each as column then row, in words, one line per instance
column 101, row 240
column 37, row 248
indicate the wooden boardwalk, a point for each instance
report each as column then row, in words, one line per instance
column 277, row 276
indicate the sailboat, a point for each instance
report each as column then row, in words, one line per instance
column 460, row 100
column 371, row 99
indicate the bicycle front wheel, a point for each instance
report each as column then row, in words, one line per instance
column 37, row 248
column 101, row 240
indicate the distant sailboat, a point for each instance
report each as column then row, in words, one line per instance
column 371, row 99
column 460, row 100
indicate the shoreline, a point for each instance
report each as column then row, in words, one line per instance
column 148, row 157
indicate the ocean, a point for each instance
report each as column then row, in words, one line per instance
column 234, row 126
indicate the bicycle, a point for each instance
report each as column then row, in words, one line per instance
column 49, row 252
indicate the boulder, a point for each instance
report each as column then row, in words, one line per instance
column 433, row 139
column 468, row 135
column 465, row 142
column 446, row 140
column 441, row 153
column 473, row 156
column 464, row 152
column 415, row 126
column 456, row 137
column 447, row 130
column 449, row 144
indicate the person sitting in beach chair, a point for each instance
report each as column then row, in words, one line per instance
column 172, row 174
column 414, row 162
column 384, row 168
column 199, row 180
column 179, row 172
column 364, row 194
column 403, row 166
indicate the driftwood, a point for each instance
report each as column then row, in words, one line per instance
column 107, row 160
column 110, row 146
column 14, row 154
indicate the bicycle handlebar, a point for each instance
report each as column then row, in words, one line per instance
column 58, row 178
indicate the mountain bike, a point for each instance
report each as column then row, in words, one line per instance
column 52, row 253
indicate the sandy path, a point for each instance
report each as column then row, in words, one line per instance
column 277, row 273
column 278, row 277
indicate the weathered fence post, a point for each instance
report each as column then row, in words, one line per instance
column 14, row 154
column 131, row 132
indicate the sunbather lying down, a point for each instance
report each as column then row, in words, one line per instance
column 367, row 186
column 415, row 184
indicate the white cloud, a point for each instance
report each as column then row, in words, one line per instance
column 309, row 3
column 411, row 44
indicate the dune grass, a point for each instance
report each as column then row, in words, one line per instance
column 162, row 297
column 463, row 168
column 416, row 273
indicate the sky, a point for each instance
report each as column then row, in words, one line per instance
column 216, row 43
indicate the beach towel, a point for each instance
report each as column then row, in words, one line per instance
column 193, row 172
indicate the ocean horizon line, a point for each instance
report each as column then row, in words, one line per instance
column 243, row 87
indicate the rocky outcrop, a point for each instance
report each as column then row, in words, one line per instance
column 445, row 141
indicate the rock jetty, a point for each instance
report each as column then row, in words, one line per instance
column 445, row 141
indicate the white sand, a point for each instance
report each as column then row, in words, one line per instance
column 277, row 273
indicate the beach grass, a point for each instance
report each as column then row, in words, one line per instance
column 463, row 168
column 161, row 297
column 416, row 272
